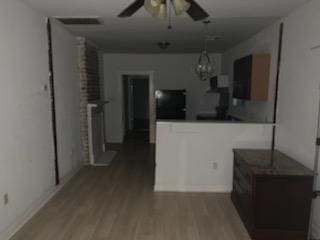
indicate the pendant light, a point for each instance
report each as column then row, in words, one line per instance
column 205, row 67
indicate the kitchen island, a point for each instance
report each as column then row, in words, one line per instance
column 196, row 156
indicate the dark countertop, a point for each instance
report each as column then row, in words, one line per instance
column 213, row 121
column 259, row 162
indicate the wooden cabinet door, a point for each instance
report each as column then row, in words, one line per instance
column 242, row 78
column 260, row 77
column 283, row 202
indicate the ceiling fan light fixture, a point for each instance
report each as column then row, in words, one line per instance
column 180, row 6
column 157, row 8
column 151, row 7
column 155, row 3
column 162, row 13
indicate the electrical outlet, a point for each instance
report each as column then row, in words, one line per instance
column 215, row 165
column 6, row 199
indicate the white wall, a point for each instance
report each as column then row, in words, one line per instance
column 186, row 153
column 299, row 85
column 264, row 42
column 67, row 96
column 170, row 72
column 299, row 89
column 26, row 163
column 26, row 147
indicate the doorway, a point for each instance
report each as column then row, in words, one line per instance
column 136, row 95
column 136, row 103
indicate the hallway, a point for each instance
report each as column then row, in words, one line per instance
column 118, row 203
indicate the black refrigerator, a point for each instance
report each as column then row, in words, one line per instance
column 171, row 104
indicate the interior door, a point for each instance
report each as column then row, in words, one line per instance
column 242, row 78
column 140, row 103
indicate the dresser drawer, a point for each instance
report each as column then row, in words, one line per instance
column 243, row 171
column 244, row 181
column 244, row 202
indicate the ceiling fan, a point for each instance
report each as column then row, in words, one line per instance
column 159, row 8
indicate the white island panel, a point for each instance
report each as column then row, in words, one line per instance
column 198, row 157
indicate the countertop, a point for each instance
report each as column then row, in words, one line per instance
column 213, row 121
column 259, row 162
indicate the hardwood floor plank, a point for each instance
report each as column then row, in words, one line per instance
column 118, row 203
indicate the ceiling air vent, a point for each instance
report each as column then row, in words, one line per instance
column 80, row 20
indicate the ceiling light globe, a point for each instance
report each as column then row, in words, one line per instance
column 180, row 6
column 155, row 3
column 162, row 13
column 151, row 8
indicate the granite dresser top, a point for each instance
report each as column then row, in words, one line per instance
column 267, row 162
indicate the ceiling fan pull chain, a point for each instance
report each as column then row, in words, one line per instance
column 170, row 16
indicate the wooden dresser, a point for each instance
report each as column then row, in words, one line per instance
column 273, row 198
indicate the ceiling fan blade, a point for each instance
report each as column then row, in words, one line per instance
column 196, row 12
column 132, row 9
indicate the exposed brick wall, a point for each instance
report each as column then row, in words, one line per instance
column 92, row 72
column 89, row 88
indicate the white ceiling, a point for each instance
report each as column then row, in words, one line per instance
column 233, row 20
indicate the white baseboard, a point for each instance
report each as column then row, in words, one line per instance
column 315, row 231
column 35, row 207
column 188, row 188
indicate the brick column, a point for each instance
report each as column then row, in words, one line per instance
column 89, row 88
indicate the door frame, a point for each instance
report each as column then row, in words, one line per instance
column 152, row 100
column 53, row 102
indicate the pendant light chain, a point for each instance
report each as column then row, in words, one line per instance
column 170, row 16
column 206, row 34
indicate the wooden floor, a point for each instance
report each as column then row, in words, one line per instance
column 117, row 203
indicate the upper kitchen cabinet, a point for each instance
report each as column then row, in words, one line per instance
column 251, row 77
